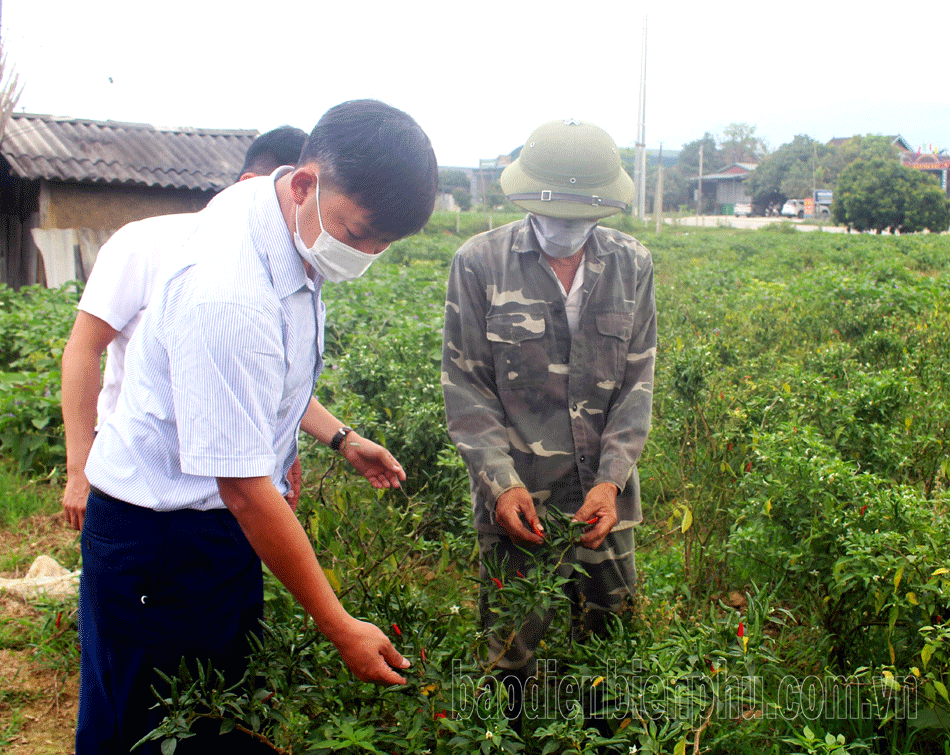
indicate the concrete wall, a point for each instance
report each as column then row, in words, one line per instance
column 110, row 206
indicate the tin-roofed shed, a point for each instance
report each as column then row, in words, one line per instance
column 729, row 183
column 68, row 183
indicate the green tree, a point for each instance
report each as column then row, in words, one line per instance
column 679, row 181
column 495, row 197
column 870, row 147
column 458, row 184
column 713, row 159
column 739, row 144
column 463, row 198
column 677, row 188
column 883, row 195
column 454, row 179
column 791, row 171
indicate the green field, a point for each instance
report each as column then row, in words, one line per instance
column 794, row 558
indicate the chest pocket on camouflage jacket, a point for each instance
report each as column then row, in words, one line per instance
column 518, row 347
column 608, row 350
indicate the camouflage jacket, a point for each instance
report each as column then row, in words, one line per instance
column 530, row 406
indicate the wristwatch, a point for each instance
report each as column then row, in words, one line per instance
column 337, row 439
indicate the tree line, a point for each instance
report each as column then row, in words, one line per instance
column 873, row 190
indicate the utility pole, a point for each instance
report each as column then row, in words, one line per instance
column 699, row 190
column 640, row 170
column 658, row 194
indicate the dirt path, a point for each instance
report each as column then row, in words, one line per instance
column 728, row 221
column 39, row 678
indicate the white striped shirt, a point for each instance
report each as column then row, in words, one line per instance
column 222, row 366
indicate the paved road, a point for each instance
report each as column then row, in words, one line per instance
column 728, row 221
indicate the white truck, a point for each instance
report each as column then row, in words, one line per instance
column 818, row 205
column 793, row 208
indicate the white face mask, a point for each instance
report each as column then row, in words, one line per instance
column 559, row 237
column 333, row 259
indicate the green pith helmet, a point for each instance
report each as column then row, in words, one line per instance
column 569, row 169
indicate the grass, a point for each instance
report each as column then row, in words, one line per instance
column 39, row 655
column 24, row 498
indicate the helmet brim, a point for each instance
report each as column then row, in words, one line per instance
column 514, row 181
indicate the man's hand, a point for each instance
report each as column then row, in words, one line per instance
column 279, row 539
column 82, row 357
column 295, row 478
column 370, row 655
column 372, row 461
column 511, row 506
column 600, row 505
column 74, row 499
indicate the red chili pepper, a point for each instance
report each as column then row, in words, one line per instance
column 59, row 616
column 593, row 520
column 396, row 629
column 423, row 654
column 268, row 697
column 520, row 574
column 863, row 509
column 748, row 467
column 497, row 582
column 443, row 714
column 741, row 629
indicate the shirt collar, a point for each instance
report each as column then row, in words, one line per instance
column 273, row 241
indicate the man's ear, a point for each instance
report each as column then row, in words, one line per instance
column 302, row 181
column 245, row 176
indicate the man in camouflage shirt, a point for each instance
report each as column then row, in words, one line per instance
column 547, row 373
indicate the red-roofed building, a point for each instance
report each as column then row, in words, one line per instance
column 936, row 163
column 724, row 188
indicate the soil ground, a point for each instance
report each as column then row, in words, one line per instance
column 39, row 676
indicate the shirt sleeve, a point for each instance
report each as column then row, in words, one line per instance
column 121, row 280
column 226, row 364
column 628, row 418
column 474, row 413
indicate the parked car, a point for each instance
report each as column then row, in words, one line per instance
column 794, row 208
column 823, row 199
column 742, row 208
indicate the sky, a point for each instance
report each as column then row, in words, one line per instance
column 480, row 76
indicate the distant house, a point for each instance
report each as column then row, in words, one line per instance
column 933, row 161
column 896, row 141
column 727, row 186
column 936, row 163
column 66, row 184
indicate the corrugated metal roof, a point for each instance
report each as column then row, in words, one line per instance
column 60, row 148
column 736, row 170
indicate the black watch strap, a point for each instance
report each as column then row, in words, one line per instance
column 337, row 439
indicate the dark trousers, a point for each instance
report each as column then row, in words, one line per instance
column 157, row 587
column 609, row 581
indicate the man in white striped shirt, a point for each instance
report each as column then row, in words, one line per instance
column 128, row 268
column 188, row 475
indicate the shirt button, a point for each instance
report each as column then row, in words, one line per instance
column 583, row 458
column 574, row 407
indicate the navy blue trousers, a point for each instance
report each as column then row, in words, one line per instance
column 157, row 587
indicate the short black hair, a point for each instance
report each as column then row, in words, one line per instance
column 269, row 151
column 380, row 157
